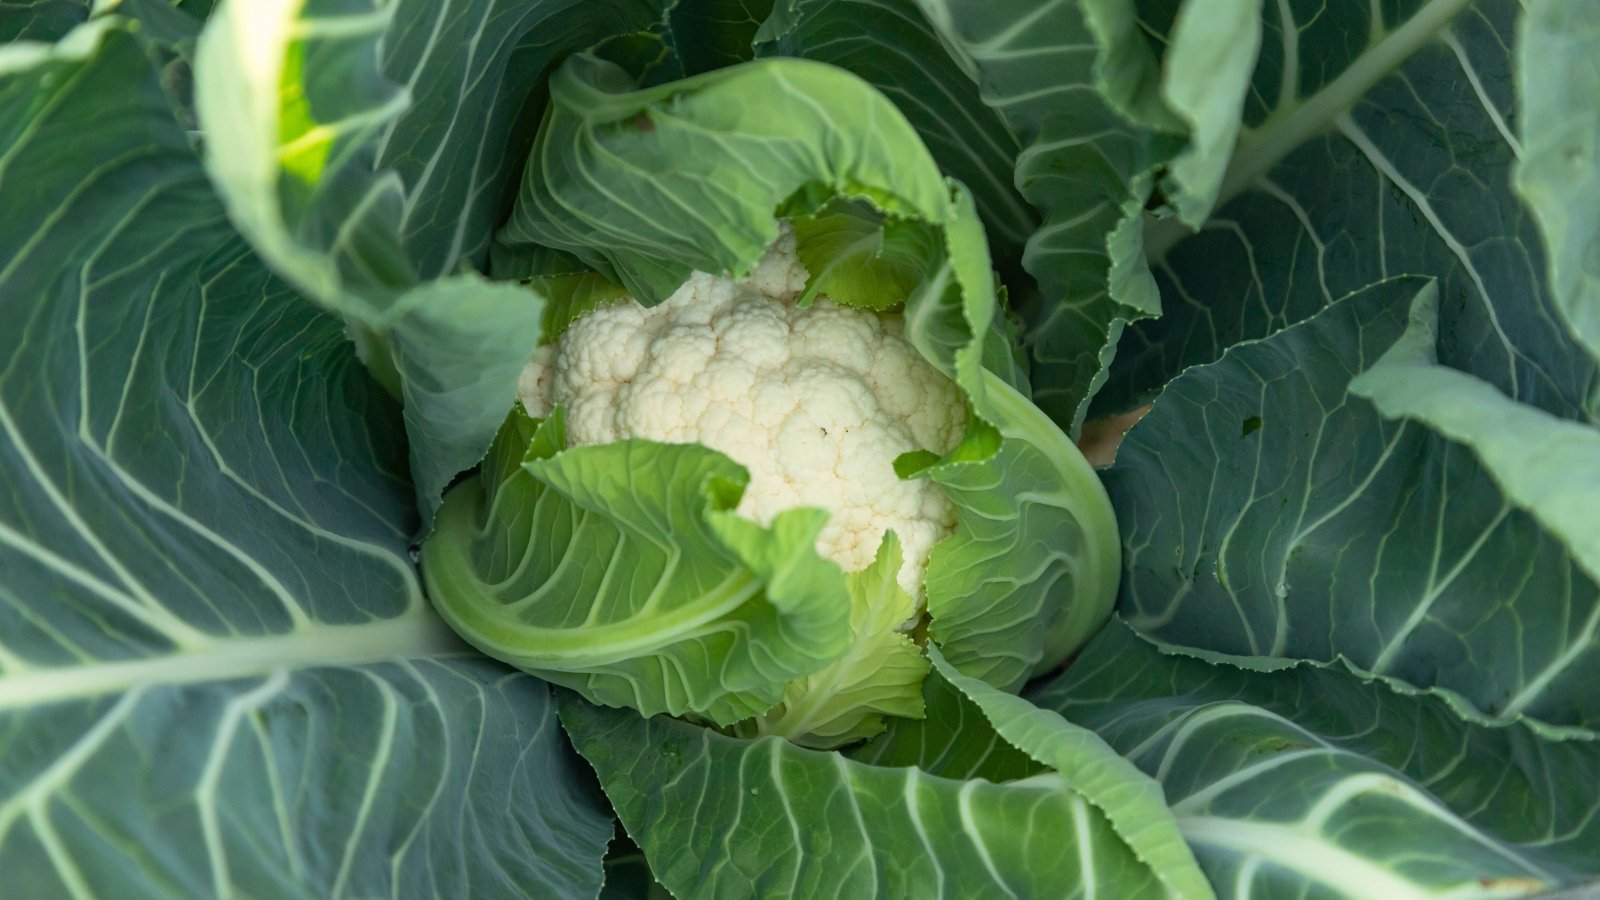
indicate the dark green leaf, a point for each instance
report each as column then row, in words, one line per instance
column 363, row 156
column 1327, row 533
column 1308, row 781
column 1045, row 70
column 724, row 817
column 218, row 675
column 1376, row 147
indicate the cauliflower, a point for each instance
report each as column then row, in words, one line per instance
column 816, row 401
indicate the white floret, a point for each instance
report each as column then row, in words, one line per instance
column 815, row 402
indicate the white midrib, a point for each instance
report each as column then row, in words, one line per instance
column 1286, row 129
column 409, row 636
column 1300, row 853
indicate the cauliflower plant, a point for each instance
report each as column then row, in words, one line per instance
column 696, row 507
column 815, row 401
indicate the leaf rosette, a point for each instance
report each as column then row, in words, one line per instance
column 620, row 569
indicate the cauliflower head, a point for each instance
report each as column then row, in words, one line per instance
column 815, row 401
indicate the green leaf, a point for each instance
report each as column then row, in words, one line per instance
column 889, row 44
column 1373, row 147
column 1558, row 174
column 680, row 206
column 218, row 675
column 1204, row 79
column 953, row 739
column 1365, row 792
column 621, row 571
column 1266, row 511
column 861, row 259
column 40, row 20
column 1045, row 69
column 723, row 817
column 1547, row 467
column 1130, row 802
column 340, row 141
column 1028, row 576
column 571, row 297
column 879, row 674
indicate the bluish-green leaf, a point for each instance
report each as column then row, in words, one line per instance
column 1308, row 781
column 953, row 739
column 1547, row 467
column 40, row 20
column 363, row 157
column 723, row 817
column 1559, row 170
column 218, row 675
column 1131, row 803
column 1266, row 511
column 713, row 34
column 1047, row 72
column 1205, row 76
column 1375, row 145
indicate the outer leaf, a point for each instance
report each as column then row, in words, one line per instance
column 723, row 817
column 217, row 673
column 1267, row 512
column 711, row 34
column 40, row 20
column 1040, row 67
column 951, row 740
column 1379, row 141
column 369, row 182
column 1125, row 72
column 171, row 28
column 340, row 139
column 1547, row 467
column 652, row 184
column 1130, row 802
column 628, row 874
column 620, row 570
column 460, row 341
column 1310, row 782
column 473, row 75
column 1559, row 170
column 1205, row 77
